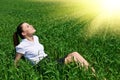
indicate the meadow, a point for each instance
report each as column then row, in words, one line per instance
column 61, row 31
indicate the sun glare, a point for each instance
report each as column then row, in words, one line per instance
column 110, row 6
column 108, row 16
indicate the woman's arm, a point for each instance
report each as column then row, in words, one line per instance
column 17, row 58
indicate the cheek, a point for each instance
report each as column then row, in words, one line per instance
column 32, row 31
column 27, row 31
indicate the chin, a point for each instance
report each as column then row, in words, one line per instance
column 34, row 31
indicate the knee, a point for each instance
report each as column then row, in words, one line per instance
column 75, row 53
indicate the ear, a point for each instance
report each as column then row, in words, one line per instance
column 23, row 33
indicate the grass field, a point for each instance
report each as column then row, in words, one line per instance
column 62, row 28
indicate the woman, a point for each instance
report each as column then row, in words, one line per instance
column 31, row 49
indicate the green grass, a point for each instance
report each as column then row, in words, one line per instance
column 61, row 32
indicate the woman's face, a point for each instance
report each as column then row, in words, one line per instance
column 27, row 29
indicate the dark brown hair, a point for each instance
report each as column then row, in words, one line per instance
column 18, row 34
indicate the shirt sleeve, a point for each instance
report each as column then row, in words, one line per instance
column 20, row 50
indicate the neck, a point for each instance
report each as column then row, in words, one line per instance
column 30, row 38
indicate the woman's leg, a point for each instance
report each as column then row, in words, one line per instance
column 76, row 57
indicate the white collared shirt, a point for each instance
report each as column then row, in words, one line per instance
column 33, row 51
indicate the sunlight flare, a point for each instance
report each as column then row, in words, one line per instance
column 107, row 19
column 110, row 6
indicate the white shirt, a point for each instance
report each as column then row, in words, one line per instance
column 33, row 51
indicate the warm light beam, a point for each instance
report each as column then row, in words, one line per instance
column 110, row 6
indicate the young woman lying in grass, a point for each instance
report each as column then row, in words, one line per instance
column 33, row 50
